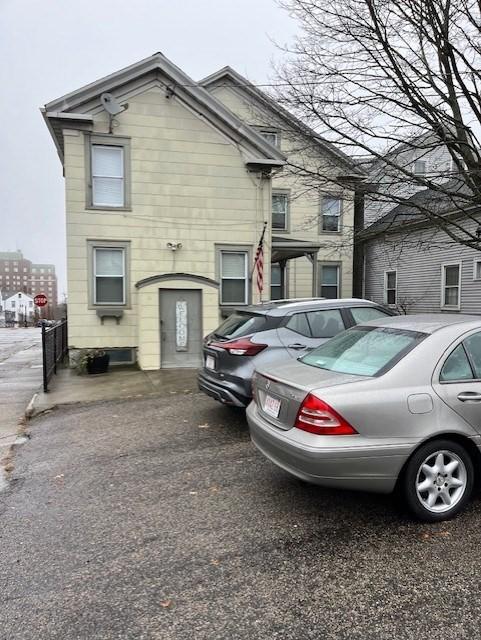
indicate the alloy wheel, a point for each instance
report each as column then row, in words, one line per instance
column 441, row 481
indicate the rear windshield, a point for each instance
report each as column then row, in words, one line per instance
column 364, row 351
column 240, row 324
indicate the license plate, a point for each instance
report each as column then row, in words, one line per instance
column 210, row 362
column 272, row 406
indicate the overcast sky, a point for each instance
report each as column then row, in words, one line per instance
column 51, row 47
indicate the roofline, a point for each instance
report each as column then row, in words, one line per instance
column 182, row 86
column 245, row 84
column 371, row 232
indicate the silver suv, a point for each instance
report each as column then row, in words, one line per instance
column 271, row 333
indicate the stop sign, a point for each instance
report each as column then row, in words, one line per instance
column 40, row 300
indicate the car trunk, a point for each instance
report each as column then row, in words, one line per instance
column 280, row 393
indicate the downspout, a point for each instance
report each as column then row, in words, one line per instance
column 358, row 245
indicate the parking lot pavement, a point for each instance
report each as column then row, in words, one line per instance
column 155, row 518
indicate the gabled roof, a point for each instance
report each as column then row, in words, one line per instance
column 411, row 213
column 76, row 108
column 242, row 84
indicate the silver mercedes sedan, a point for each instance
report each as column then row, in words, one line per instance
column 392, row 404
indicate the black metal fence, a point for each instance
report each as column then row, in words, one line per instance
column 54, row 348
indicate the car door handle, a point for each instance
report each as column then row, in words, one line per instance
column 469, row 396
column 296, row 345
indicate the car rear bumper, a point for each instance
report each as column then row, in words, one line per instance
column 225, row 391
column 343, row 462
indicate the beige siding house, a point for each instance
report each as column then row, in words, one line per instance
column 307, row 207
column 167, row 194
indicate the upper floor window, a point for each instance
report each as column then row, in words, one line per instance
column 233, row 276
column 107, row 176
column 108, row 171
column 331, row 213
column 390, row 287
column 280, row 204
column 420, row 167
column 451, row 285
column 271, row 136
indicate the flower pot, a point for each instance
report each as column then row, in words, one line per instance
column 98, row 364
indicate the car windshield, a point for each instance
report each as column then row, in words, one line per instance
column 240, row 324
column 364, row 351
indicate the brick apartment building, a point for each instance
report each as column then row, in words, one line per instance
column 19, row 274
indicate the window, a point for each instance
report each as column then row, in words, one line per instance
column 12, row 304
column 454, row 168
column 107, row 161
column 233, row 273
column 419, row 167
column 331, row 214
column 390, row 287
column 456, row 367
column 109, row 275
column 472, row 346
column 477, row 270
column 325, row 323
column 364, row 351
column 364, row 314
column 464, row 363
column 329, row 280
column 241, row 324
column 277, row 292
column 107, row 176
column 272, row 137
column 298, row 323
column 280, row 203
column 451, row 284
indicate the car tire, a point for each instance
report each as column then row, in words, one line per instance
column 438, row 480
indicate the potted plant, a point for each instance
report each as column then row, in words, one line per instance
column 93, row 361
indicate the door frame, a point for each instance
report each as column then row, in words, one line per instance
column 201, row 319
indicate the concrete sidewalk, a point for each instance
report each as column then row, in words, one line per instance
column 68, row 388
column 20, row 378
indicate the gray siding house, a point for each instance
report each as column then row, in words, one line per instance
column 415, row 267
column 423, row 157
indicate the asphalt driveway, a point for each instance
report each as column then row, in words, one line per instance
column 156, row 518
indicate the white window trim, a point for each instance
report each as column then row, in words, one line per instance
column 246, row 277
column 96, row 203
column 263, row 131
column 386, row 288
column 443, row 285
column 475, row 262
column 99, row 275
column 417, row 173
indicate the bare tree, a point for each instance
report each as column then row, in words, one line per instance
column 389, row 80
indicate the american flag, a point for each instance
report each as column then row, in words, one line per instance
column 259, row 262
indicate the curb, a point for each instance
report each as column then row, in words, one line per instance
column 31, row 406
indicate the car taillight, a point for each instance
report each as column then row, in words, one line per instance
column 316, row 416
column 241, row 347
